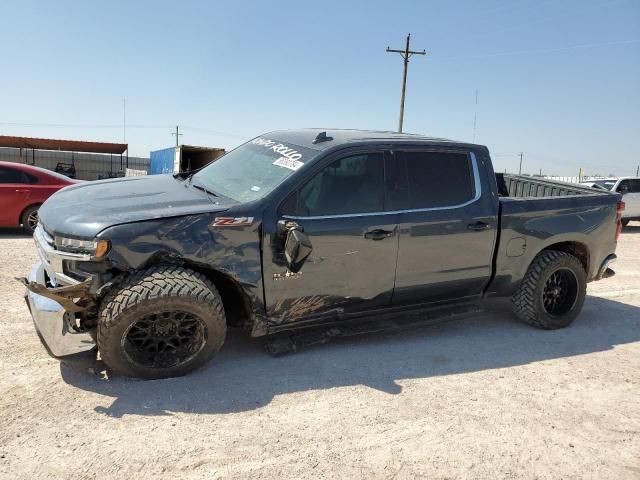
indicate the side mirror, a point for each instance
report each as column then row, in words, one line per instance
column 297, row 249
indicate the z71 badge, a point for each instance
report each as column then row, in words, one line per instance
column 232, row 221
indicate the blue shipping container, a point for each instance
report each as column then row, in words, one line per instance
column 162, row 161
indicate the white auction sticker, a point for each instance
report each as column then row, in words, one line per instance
column 289, row 163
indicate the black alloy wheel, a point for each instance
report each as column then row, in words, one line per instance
column 164, row 340
column 560, row 292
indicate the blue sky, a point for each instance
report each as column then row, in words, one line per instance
column 557, row 79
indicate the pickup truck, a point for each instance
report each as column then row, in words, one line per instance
column 629, row 188
column 308, row 231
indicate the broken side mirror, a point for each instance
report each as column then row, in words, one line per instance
column 297, row 248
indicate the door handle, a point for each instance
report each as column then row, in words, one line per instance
column 379, row 234
column 478, row 226
column 21, row 190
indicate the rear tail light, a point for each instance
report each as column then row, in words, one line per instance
column 619, row 211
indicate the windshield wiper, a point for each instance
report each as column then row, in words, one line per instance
column 184, row 175
column 204, row 189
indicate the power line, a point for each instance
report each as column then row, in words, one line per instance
column 115, row 126
column 216, row 132
column 405, row 54
column 550, row 50
column 573, row 13
column 71, row 125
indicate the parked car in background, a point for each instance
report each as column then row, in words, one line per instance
column 629, row 187
column 23, row 188
column 601, row 184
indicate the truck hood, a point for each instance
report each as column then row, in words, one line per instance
column 85, row 209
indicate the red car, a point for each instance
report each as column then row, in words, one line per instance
column 23, row 188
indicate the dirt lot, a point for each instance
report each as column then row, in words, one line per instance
column 479, row 398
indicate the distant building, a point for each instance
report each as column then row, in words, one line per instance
column 74, row 158
column 182, row 158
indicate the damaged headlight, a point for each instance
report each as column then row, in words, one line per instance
column 95, row 248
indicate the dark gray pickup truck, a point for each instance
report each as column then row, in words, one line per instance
column 305, row 234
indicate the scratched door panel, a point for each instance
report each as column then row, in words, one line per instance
column 346, row 272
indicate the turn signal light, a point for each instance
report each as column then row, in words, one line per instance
column 102, row 247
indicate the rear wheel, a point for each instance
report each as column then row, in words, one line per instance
column 552, row 292
column 29, row 218
column 164, row 322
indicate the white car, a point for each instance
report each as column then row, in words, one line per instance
column 629, row 187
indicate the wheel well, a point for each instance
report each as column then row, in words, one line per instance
column 237, row 306
column 577, row 249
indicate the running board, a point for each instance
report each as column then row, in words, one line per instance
column 291, row 342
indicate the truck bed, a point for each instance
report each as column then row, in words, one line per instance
column 519, row 186
column 536, row 213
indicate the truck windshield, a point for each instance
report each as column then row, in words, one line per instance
column 253, row 169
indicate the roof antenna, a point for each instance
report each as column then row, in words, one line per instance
column 322, row 137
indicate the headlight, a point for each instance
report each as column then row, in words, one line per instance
column 96, row 248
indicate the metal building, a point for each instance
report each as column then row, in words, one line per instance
column 74, row 158
column 182, row 158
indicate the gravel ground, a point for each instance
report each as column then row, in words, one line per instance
column 485, row 397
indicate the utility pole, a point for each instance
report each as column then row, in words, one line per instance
column 638, row 171
column 520, row 170
column 405, row 54
column 178, row 135
column 475, row 117
column 124, row 120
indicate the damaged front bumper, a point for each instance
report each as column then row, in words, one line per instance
column 54, row 324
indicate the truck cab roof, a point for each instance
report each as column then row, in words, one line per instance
column 326, row 138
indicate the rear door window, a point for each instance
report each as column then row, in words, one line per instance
column 437, row 179
column 10, row 175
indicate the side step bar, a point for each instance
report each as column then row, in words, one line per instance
column 291, row 342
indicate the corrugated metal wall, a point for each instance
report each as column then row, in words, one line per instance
column 89, row 166
column 163, row 161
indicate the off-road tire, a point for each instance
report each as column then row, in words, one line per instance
column 153, row 291
column 26, row 218
column 528, row 300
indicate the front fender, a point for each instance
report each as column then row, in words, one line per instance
column 233, row 250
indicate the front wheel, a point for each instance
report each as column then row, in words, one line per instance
column 29, row 218
column 163, row 322
column 552, row 292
